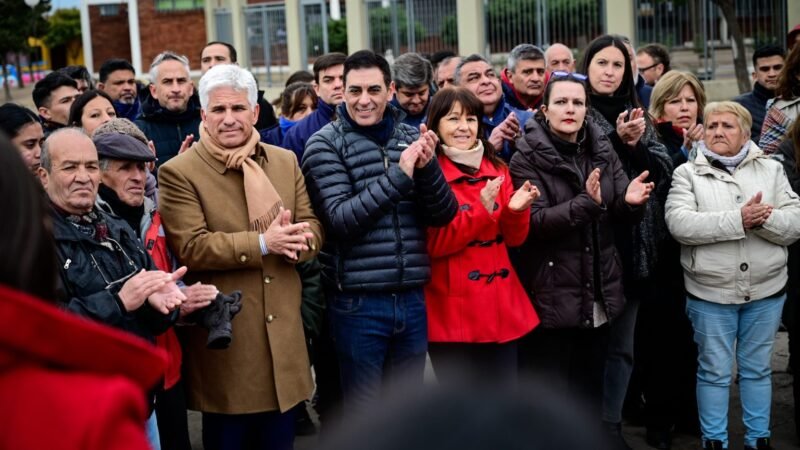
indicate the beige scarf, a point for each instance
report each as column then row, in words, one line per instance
column 471, row 158
column 263, row 201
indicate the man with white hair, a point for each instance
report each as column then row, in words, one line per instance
column 237, row 214
column 171, row 113
column 558, row 57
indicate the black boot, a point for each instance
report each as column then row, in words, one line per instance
column 761, row 444
column 714, row 445
column 616, row 439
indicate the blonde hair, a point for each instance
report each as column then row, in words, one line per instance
column 742, row 115
column 669, row 86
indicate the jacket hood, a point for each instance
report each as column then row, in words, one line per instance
column 153, row 111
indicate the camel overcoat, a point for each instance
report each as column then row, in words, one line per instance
column 204, row 212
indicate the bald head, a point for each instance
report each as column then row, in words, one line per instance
column 70, row 171
column 558, row 57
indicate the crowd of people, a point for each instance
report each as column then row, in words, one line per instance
column 596, row 226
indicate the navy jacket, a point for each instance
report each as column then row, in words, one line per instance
column 643, row 90
column 414, row 121
column 375, row 216
column 500, row 113
column 295, row 138
column 166, row 129
column 755, row 101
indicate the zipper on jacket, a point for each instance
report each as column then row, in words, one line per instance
column 398, row 243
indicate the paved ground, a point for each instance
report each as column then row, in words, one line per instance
column 783, row 436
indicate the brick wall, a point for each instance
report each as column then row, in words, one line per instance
column 110, row 35
column 183, row 32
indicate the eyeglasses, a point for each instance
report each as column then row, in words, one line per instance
column 645, row 69
column 113, row 284
column 574, row 76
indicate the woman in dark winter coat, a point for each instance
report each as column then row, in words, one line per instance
column 616, row 109
column 477, row 308
column 569, row 263
column 789, row 155
column 665, row 353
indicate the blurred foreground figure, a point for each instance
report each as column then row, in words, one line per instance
column 49, row 369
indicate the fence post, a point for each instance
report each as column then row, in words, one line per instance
column 239, row 28
column 294, row 41
column 792, row 15
column 620, row 19
column 357, row 25
column 471, row 27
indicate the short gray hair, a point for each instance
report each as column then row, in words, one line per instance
column 524, row 52
column 743, row 116
column 411, row 70
column 166, row 56
column 469, row 59
column 45, row 161
column 228, row 75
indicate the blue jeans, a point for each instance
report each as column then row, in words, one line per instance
column 151, row 429
column 752, row 327
column 375, row 335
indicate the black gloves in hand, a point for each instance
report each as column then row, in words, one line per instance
column 216, row 318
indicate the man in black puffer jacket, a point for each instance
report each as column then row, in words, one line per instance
column 376, row 187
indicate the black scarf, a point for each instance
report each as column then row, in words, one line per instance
column 610, row 106
column 380, row 132
column 130, row 214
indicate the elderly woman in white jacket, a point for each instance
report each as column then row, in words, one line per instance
column 734, row 213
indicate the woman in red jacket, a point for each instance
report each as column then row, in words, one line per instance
column 476, row 306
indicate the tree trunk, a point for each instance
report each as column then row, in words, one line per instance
column 6, row 85
column 19, row 73
column 739, row 58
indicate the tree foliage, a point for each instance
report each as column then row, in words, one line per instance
column 17, row 22
column 65, row 27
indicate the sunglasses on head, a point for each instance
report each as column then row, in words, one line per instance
column 573, row 76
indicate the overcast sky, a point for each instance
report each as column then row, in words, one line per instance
column 58, row 4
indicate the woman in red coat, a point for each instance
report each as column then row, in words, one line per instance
column 476, row 306
column 65, row 382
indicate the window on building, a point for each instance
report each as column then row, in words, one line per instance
column 179, row 5
column 109, row 10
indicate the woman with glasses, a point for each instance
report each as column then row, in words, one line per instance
column 616, row 110
column 569, row 263
column 477, row 308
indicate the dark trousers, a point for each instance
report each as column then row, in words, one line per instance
column 262, row 431
column 458, row 362
column 173, row 424
column 666, row 368
column 570, row 360
column 328, row 397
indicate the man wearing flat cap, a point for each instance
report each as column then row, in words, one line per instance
column 122, row 160
column 105, row 273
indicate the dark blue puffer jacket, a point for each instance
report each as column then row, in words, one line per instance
column 374, row 215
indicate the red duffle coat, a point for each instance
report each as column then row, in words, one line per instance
column 474, row 294
column 69, row 383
